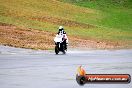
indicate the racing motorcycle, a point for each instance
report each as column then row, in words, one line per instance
column 60, row 44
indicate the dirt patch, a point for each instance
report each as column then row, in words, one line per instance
column 93, row 44
column 37, row 39
column 65, row 22
column 25, row 38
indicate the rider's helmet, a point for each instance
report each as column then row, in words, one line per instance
column 61, row 30
column 60, row 27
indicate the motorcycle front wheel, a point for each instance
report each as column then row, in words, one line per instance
column 56, row 49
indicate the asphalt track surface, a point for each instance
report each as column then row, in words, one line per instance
column 25, row 68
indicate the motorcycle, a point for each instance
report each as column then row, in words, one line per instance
column 60, row 44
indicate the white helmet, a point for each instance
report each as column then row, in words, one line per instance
column 61, row 27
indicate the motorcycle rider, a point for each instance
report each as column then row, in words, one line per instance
column 63, row 33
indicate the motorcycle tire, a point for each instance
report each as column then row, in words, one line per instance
column 56, row 50
column 64, row 52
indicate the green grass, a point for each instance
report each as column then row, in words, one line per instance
column 113, row 13
column 113, row 20
column 115, row 17
column 19, row 12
